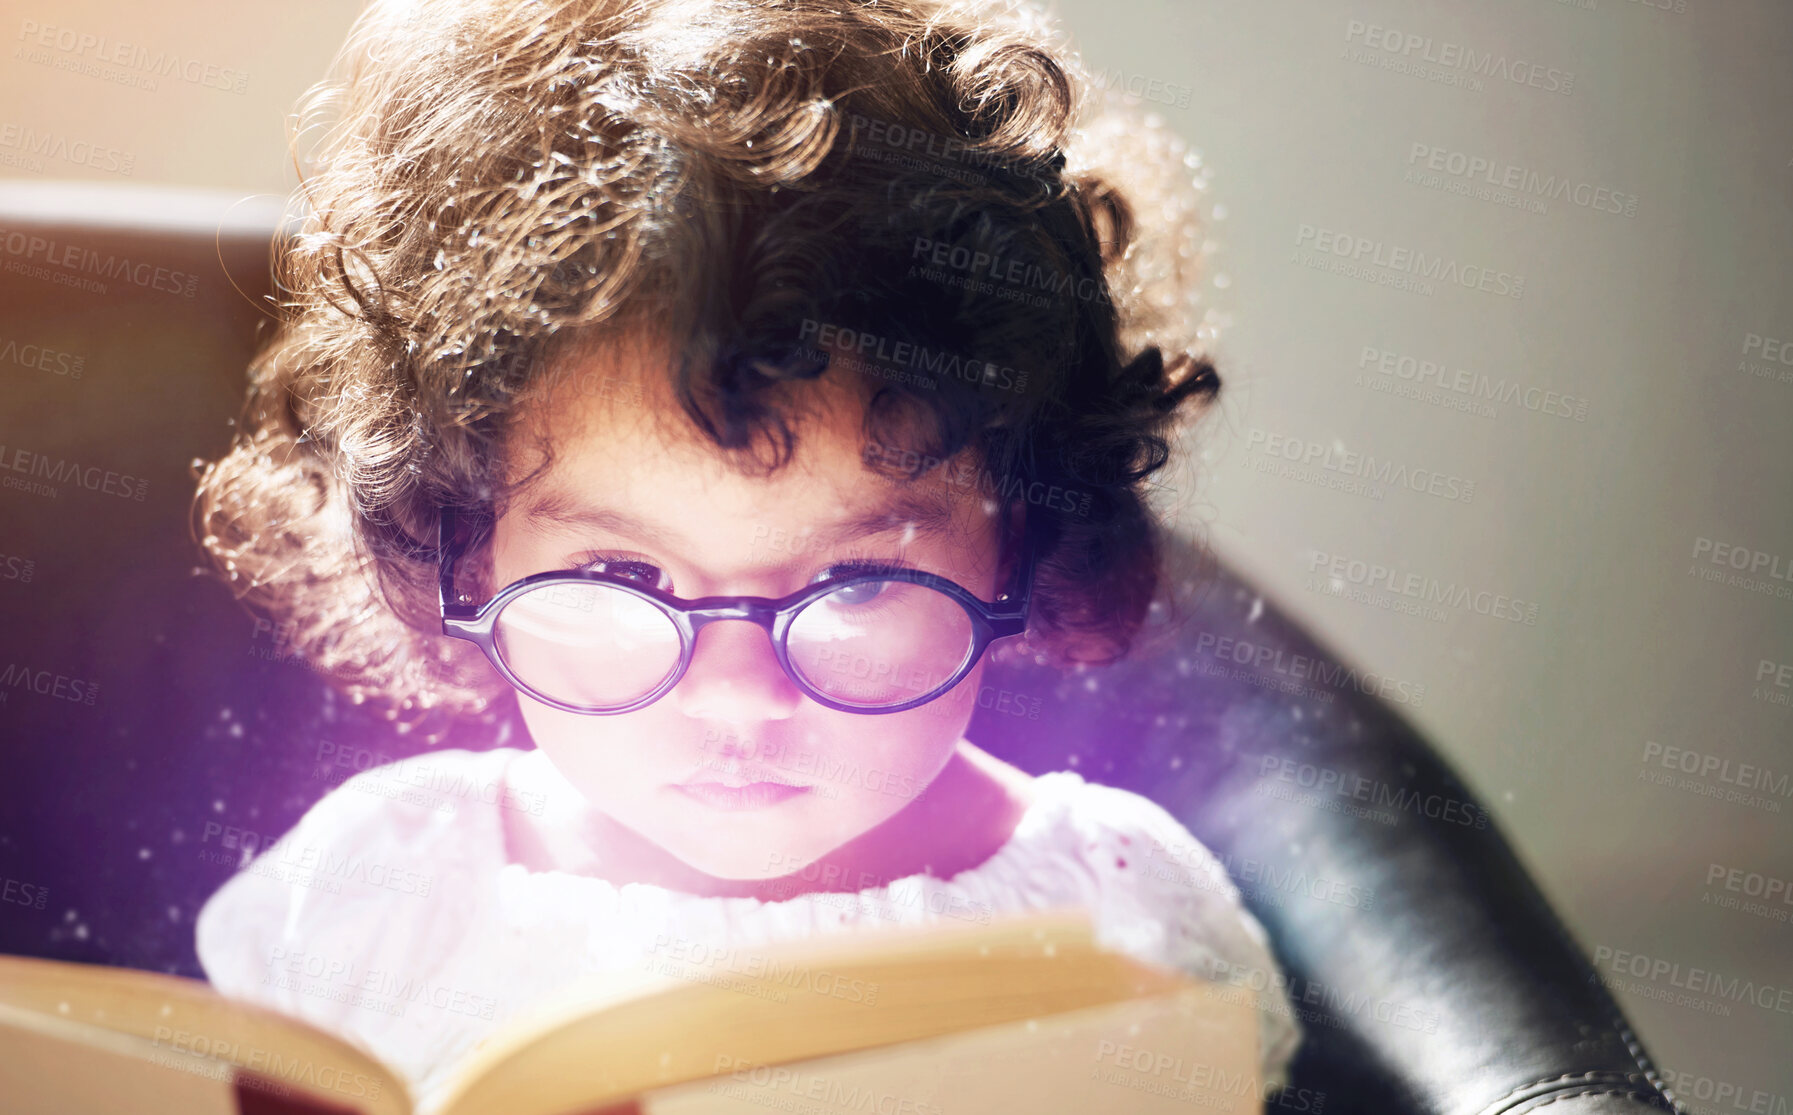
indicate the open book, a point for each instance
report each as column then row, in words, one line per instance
column 1026, row 1014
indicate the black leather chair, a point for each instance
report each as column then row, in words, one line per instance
column 1428, row 971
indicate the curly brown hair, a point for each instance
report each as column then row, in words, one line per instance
column 497, row 180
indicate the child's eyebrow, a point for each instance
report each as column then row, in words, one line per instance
column 558, row 509
column 925, row 513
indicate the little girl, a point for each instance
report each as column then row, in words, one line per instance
column 721, row 380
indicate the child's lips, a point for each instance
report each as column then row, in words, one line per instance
column 738, row 774
column 730, row 798
column 735, row 785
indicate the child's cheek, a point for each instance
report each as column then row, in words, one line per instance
column 951, row 713
column 881, row 767
column 609, row 759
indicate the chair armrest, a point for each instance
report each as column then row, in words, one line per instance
column 1428, row 971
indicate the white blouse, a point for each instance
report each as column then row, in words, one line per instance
column 391, row 915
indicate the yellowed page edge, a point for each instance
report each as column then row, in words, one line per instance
column 187, row 1017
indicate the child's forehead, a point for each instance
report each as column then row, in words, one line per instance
column 615, row 434
column 612, row 404
column 823, row 518
column 832, row 472
column 627, row 414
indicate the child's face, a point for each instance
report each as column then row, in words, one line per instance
column 676, row 506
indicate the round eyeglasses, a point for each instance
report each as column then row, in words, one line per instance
column 596, row 643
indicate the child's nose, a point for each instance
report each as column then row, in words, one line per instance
column 735, row 676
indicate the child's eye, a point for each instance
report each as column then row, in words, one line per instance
column 633, row 567
column 863, row 593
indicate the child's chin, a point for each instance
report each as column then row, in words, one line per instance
column 748, row 860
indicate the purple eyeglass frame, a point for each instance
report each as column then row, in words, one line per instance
column 1004, row 617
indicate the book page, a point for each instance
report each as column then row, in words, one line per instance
column 50, row 1067
column 187, row 1023
column 1157, row 1056
column 1018, row 1007
column 799, row 1000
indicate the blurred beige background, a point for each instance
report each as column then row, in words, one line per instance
column 1594, row 419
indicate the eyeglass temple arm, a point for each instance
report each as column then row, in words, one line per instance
column 448, row 554
column 1017, row 599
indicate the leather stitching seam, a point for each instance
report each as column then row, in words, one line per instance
column 1565, row 1085
column 1648, row 1097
